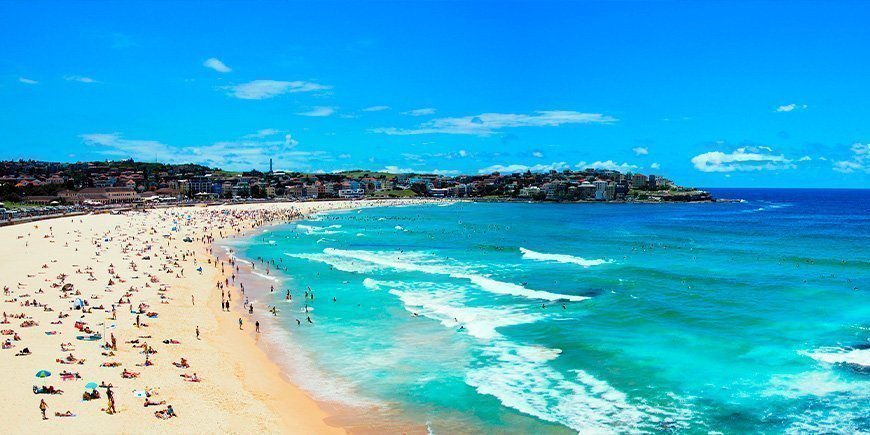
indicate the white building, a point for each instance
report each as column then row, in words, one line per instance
column 351, row 193
column 600, row 190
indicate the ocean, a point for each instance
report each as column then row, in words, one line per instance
column 738, row 317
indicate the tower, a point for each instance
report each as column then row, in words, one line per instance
column 270, row 166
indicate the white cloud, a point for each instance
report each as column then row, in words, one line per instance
column 344, row 156
column 80, row 79
column 266, row 132
column 741, row 159
column 640, row 151
column 395, row 170
column 319, row 111
column 444, row 172
column 509, row 169
column 791, row 107
column 262, row 89
column 608, row 164
column 376, row 108
column 462, row 153
column 488, row 123
column 805, row 159
column 237, row 154
column 27, row 81
column 420, row 112
column 860, row 161
column 289, row 142
column 655, row 166
column 399, row 170
column 537, row 154
column 215, row 64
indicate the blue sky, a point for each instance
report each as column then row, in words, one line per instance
column 707, row 93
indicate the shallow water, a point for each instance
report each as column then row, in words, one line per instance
column 732, row 317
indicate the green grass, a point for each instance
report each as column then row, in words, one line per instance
column 406, row 193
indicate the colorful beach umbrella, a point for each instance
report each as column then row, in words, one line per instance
column 43, row 374
column 91, row 385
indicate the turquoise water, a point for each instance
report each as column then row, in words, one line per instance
column 549, row 318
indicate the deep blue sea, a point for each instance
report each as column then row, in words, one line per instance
column 558, row 318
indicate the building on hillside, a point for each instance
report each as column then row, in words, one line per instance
column 200, row 185
column 351, row 193
column 638, row 181
column 600, row 190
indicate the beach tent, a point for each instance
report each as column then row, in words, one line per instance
column 91, row 385
column 43, row 374
column 78, row 303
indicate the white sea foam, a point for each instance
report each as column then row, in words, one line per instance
column 311, row 229
column 521, row 378
column 817, row 383
column 264, row 276
column 371, row 284
column 839, row 355
column 507, row 288
column 444, row 306
column 528, row 254
column 342, row 264
column 400, row 261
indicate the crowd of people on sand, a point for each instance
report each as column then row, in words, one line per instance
column 121, row 297
column 78, row 293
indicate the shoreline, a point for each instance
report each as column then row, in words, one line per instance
column 355, row 418
column 138, row 263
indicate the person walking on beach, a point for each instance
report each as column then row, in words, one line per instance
column 240, row 323
column 111, row 396
column 257, row 326
column 197, row 332
column 42, row 407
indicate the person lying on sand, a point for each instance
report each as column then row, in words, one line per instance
column 126, row 374
column 46, row 390
column 165, row 414
column 182, row 365
column 149, row 402
column 191, row 378
column 91, row 396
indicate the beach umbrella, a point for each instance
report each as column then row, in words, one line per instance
column 91, row 385
column 43, row 374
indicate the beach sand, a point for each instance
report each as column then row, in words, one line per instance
column 240, row 389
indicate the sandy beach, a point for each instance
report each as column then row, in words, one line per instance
column 150, row 281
